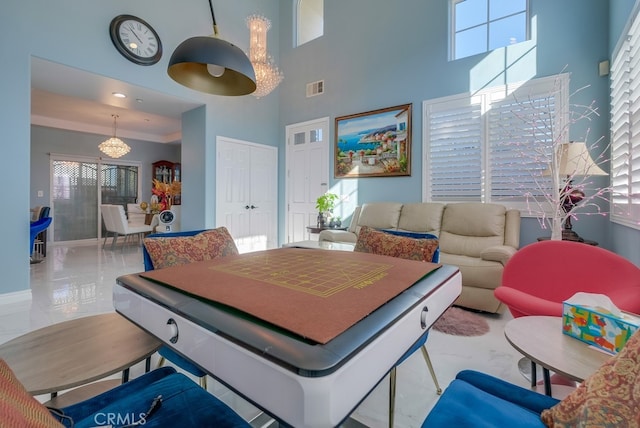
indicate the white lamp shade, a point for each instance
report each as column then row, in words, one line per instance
column 574, row 159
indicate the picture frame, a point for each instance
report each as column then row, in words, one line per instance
column 376, row 143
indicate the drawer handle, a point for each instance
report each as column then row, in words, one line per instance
column 423, row 318
column 173, row 328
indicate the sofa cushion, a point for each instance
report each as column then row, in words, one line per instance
column 17, row 407
column 179, row 250
column 609, row 397
column 469, row 228
column 381, row 243
column 421, row 217
column 379, row 215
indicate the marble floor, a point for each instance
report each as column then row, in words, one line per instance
column 76, row 281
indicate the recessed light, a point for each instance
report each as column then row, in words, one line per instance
column 139, row 100
column 118, row 95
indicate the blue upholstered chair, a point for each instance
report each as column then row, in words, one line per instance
column 161, row 398
column 421, row 343
column 166, row 353
column 37, row 227
column 476, row 399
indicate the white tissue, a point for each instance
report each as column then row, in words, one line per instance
column 595, row 301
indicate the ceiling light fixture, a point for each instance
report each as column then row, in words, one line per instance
column 268, row 76
column 114, row 147
column 212, row 65
column 119, row 95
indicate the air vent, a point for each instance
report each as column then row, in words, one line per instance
column 315, row 88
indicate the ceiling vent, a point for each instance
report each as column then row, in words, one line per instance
column 315, row 88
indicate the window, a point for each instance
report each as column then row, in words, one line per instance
column 492, row 146
column 625, row 130
column 79, row 185
column 309, row 20
column 479, row 26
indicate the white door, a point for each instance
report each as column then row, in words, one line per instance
column 307, row 177
column 247, row 193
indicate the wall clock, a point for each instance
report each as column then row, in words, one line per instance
column 135, row 39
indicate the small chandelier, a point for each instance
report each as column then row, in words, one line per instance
column 114, row 147
column 268, row 76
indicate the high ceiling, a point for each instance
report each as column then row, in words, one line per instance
column 69, row 98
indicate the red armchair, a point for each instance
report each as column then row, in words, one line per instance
column 540, row 276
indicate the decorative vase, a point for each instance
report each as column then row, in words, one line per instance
column 556, row 229
column 321, row 220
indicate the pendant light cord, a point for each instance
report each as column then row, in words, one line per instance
column 115, row 116
column 213, row 17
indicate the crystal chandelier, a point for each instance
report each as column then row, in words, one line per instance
column 114, row 147
column 268, row 76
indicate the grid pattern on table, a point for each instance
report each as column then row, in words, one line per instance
column 306, row 272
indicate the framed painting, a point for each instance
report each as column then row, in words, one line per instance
column 374, row 144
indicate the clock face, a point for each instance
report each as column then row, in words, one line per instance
column 135, row 39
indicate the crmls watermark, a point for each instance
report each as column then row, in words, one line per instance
column 117, row 419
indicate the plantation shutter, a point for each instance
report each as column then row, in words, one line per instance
column 625, row 129
column 521, row 137
column 453, row 170
column 493, row 145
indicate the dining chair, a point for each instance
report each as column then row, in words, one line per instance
column 150, row 254
column 407, row 245
column 116, row 222
column 36, row 228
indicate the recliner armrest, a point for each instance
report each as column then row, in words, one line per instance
column 498, row 253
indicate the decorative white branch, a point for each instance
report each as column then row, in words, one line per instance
column 569, row 189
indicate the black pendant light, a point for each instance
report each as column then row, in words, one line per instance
column 212, row 65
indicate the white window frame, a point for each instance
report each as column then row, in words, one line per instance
column 487, row 22
column 625, row 127
column 479, row 130
column 304, row 22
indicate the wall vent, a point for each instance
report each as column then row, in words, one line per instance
column 315, row 88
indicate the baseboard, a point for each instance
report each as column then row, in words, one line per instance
column 15, row 297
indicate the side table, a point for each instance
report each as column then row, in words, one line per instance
column 316, row 229
column 540, row 339
column 73, row 353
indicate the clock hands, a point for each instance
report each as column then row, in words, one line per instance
column 133, row 31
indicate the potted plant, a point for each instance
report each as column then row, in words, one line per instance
column 325, row 205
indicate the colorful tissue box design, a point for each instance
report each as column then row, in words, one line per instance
column 598, row 327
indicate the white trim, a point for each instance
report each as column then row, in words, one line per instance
column 15, row 297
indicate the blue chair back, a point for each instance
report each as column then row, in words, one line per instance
column 36, row 227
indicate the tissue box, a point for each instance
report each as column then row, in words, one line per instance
column 598, row 327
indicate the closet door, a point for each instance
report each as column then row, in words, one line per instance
column 247, row 193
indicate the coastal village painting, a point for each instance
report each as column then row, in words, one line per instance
column 374, row 144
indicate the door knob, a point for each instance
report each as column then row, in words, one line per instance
column 253, row 207
column 246, row 207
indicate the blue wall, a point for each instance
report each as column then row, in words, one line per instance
column 75, row 33
column 397, row 52
column 370, row 57
column 45, row 140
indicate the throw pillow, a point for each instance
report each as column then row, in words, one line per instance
column 17, row 407
column 374, row 241
column 179, row 250
column 609, row 397
column 417, row 235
